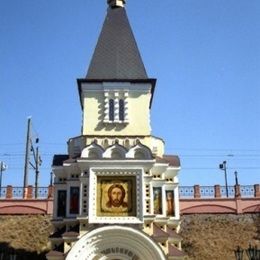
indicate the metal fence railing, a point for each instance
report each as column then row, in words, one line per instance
column 17, row 192
column 245, row 191
column 20, row 193
column 186, row 191
column 230, row 190
column 2, row 193
column 207, row 191
column 40, row 192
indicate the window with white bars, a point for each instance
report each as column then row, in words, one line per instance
column 116, row 107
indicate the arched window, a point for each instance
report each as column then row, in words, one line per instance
column 121, row 110
column 111, row 109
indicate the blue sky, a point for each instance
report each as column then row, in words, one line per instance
column 204, row 54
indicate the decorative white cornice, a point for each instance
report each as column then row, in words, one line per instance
column 116, row 86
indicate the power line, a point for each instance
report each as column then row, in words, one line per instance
column 22, row 154
column 215, row 168
column 19, row 168
column 51, row 143
column 219, row 155
column 10, row 155
column 183, row 168
column 11, row 144
column 54, row 143
column 213, row 149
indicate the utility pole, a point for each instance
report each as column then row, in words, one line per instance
column 36, row 157
column 37, row 163
column 51, row 178
column 27, row 154
column 223, row 166
column 236, row 178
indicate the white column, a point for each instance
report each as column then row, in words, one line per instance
column 163, row 200
column 84, row 196
column 177, row 202
column 81, row 196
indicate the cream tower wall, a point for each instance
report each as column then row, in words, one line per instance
column 137, row 113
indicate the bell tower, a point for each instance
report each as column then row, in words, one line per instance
column 116, row 192
column 116, row 94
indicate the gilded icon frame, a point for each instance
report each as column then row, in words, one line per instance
column 100, row 180
column 105, row 185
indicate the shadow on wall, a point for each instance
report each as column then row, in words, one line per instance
column 7, row 252
column 101, row 107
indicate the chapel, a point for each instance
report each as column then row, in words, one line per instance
column 116, row 191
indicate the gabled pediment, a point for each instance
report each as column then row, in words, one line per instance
column 92, row 151
column 116, row 151
column 140, row 152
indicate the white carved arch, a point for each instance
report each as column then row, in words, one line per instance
column 115, row 242
column 92, row 151
column 139, row 152
column 115, row 151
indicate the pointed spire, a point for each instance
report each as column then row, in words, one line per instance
column 116, row 3
column 116, row 55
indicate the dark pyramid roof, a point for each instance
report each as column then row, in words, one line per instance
column 116, row 55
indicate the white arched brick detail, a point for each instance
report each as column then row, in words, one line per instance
column 106, row 107
column 126, row 107
column 116, row 100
